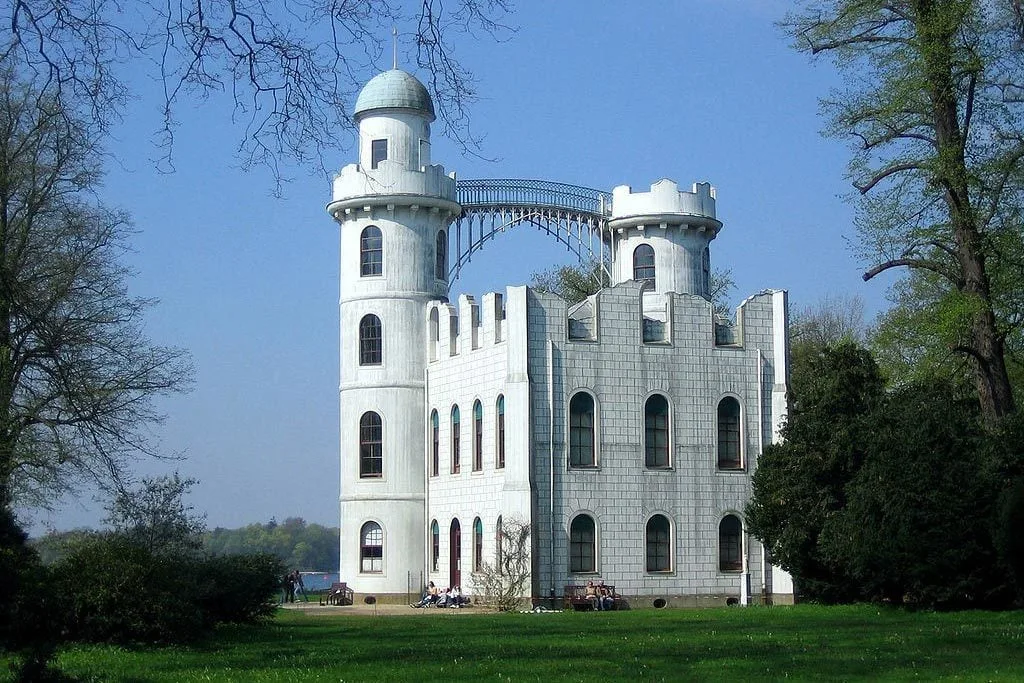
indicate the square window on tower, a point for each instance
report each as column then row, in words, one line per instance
column 378, row 152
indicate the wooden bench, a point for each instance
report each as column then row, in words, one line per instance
column 575, row 597
column 338, row 594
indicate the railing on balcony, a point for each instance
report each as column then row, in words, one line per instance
column 575, row 216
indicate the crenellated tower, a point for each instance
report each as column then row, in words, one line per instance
column 662, row 237
column 394, row 209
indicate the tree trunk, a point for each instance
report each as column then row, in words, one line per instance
column 937, row 23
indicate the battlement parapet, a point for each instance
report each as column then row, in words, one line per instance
column 627, row 314
column 664, row 197
column 453, row 331
column 392, row 178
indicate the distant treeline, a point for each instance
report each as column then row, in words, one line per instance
column 308, row 547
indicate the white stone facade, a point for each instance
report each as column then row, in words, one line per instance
column 623, row 429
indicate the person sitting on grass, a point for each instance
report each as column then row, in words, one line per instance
column 429, row 596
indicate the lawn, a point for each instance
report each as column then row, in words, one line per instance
column 804, row 642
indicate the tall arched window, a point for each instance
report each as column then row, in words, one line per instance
column 643, row 263
column 455, row 553
column 730, row 544
column 371, row 347
column 499, row 545
column 729, row 457
column 435, row 430
column 582, row 545
column 478, row 436
column 371, row 446
column 371, row 251
column 656, row 442
column 659, row 545
column 371, row 548
column 500, row 436
column 435, row 545
column 441, row 256
column 455, row 440
column 478, row 545
column 435, row 333
column 705, row 266
column 581, row 430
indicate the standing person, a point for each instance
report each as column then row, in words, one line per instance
column 289, row 587
column 300, row 587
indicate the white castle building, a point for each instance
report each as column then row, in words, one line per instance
column 623, row 429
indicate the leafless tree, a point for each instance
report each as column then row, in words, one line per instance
column 835, row 318
column 508, row 578
column 78, row 377
column 291, row 67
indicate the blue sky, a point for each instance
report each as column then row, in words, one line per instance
column 594, row 94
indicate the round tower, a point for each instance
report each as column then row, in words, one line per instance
column 662, row 237
column 394, row 209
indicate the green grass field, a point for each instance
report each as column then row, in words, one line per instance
column 805, row 642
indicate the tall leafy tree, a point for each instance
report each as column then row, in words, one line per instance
column 932, row 105
column 155, row 515
column 799, row 486
column 917, row 524
column 78, row 377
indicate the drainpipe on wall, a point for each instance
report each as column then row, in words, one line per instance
column 551, row 466
column 760, row 450
column 428, row 441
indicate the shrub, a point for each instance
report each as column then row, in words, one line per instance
column 30, row 618
column 240, row 588
column 118, row 591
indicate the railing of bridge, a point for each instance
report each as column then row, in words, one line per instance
column 494, row 192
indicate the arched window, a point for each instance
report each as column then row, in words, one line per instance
column 500, row 436
column 729, row 434
column 371, row 351
column 499, row 545
column 441, row 256
column 705, row 266
column 371, row 251
column 730, row 544
column 371, row 442
column 455, row 440
column 455, row 553
column 659, row 545
column 581, row 430
column 371, row 549
column 478, row 437
column 656, row 443
column 435, row 333
column 582, row 545
column 435, row 429
column 478, row 545
column 435, row 545
column 643, row 263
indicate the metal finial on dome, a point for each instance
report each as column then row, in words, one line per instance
column 394, row 47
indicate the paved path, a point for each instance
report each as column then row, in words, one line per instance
column 314, row 608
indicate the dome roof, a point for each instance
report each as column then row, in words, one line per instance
column 394, row 89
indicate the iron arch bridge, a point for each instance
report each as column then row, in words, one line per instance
column 575, row 216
